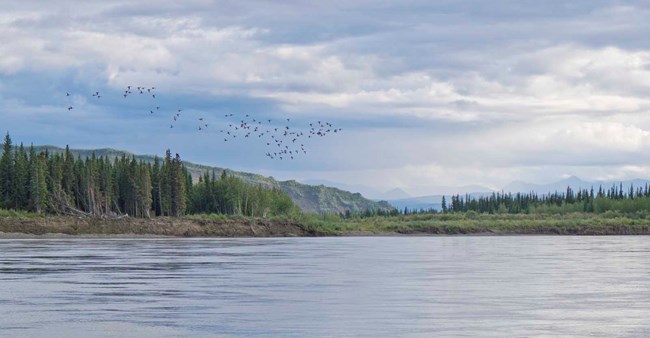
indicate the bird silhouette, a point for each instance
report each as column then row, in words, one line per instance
column 285, row 136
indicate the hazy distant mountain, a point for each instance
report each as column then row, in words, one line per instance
column 394, row 194
column 574, row 182
column 451, row 190
column 428, row 202
column 366, row 191
column 422, row 202
column 435, row 201
column 319, row 199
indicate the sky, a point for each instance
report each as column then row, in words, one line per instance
column 429, row 94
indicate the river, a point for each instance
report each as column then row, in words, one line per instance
column 322, row 287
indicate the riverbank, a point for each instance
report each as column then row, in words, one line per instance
column 471, row 223
column 160, row 226
column 24, row 224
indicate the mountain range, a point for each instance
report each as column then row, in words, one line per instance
column 366, row 191
column 435, row 201
column 396, row 193
column 309, row 198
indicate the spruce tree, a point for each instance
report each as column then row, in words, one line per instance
column 166, row 185
column 144, row 187
column 444, row 204
column 38, row 194
column 20, row 180
column 156, row 191
column 177, row 187
column 6, row 173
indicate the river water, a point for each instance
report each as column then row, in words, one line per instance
column 312, row 287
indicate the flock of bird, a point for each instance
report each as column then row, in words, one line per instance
column 282, row 140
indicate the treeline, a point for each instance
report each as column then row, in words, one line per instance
column 98, row 186
column 615, row 198
column 372, row 213
column 230, row 195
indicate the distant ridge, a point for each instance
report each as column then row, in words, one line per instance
column 310, row 198
column 574, row 182
column 427, row 202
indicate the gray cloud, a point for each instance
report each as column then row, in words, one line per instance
column 429, row 93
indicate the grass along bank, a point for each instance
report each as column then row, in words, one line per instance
column 191, row 226
column 217, row 225
column 610, row 223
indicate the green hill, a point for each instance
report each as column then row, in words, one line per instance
column 310, row 198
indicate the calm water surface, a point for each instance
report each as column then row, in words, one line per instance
column 307, row 287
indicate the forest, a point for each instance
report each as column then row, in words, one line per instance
column 61, row 184
column 612, row 199
column 615, row 199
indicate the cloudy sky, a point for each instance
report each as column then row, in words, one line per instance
column 428, row 93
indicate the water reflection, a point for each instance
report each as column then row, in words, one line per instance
column 405, row 286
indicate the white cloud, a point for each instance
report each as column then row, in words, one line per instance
column 472, row 101
column 611, row 136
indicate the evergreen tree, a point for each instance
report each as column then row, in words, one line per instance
column 6, row 173
column 63, row 184
column 20, row 179
column 166, row 185
column 177, row 181
column 444, row 204
column 38, row 194
column 156, row 188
